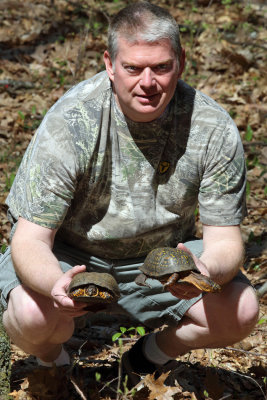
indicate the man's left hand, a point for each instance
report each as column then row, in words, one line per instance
column 185, row 290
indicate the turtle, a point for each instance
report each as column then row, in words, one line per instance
column 94, row 287
column 172, row 267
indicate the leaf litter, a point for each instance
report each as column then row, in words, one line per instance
column 46, row 47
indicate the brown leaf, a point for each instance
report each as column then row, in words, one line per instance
column 158, row 391
column 48, row 383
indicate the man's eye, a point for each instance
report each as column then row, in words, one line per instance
column 131, row 68
column 162, row 67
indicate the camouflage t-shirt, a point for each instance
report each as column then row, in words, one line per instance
column 117, row 188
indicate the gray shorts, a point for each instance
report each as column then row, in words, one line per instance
column 150, row 306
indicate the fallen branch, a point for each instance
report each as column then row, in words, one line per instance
column 246, row 352
column 262, row 290
column 16, row 84
column 78, row 390
column 251, row 379
column 248, row 144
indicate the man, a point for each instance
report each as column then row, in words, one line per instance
column 116, row 169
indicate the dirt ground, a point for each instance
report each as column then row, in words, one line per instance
column 48, row 46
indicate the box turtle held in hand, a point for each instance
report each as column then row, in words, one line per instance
column 173, row 267
column 94, row 287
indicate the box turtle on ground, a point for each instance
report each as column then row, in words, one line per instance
column 94, row 287
column 173, row 267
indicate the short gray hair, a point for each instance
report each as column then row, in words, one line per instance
column 143, row 21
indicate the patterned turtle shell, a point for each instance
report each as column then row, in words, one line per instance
column 94, row 287
column 173, row 266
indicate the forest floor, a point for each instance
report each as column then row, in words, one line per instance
column 46, row 47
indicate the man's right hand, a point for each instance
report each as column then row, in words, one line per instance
column 62, row 302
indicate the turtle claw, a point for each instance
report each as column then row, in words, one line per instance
column 141, row 280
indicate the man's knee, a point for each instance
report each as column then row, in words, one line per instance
column 28, row 312
column 248, row 310
column 33, row 318
column 242, row 309
column 230, row 315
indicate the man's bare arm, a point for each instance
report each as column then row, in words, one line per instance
column 32, row 256
column 222, row 256
column 223, row 252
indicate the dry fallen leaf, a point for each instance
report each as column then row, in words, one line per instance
column 158, row 391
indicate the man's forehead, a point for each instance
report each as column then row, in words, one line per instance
column 137, row 41
column 161, row 51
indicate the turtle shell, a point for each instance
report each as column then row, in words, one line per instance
column 102, row 287
column 167, row 260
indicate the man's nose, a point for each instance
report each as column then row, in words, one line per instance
column 147, row 78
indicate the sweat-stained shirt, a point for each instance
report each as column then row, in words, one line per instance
column 117, row 188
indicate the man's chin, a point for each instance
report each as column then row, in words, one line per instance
column 147, row 113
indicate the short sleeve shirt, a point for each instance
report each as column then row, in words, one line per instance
column 117, row 188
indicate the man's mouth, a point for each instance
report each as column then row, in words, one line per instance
column 147, row 97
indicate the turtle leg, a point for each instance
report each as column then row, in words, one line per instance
column 141, row 280
column 172, row 280
column 105, row 295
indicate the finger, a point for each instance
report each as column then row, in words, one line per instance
column 75, row 270
column 73, row 314
column 76, row 307
column 181, row 246
column 64, row 301
column 68, row 305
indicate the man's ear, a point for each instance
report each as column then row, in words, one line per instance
column 109, row 66
column 181, row 63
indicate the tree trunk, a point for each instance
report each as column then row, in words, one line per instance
column 5, row 365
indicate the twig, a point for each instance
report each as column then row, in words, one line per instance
column 119, row 380
column 16, row 84
column 246, row 352
column 78, row 390
column 262, row 290
column 247, row 43
column 253, row 380
column 227, row 396
column 248, row 144
column 107, row 385
column 255, row 207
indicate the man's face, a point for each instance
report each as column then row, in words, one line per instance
column 144, row 77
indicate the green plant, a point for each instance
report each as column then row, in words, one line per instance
column 123, row 331
column 31, row 120
column 256, row 267
column 9, row 181
column 3, row 248
column 97, row 376
column 139, row 330
column 21, row 115
column 249, row 133
column 248, row 189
